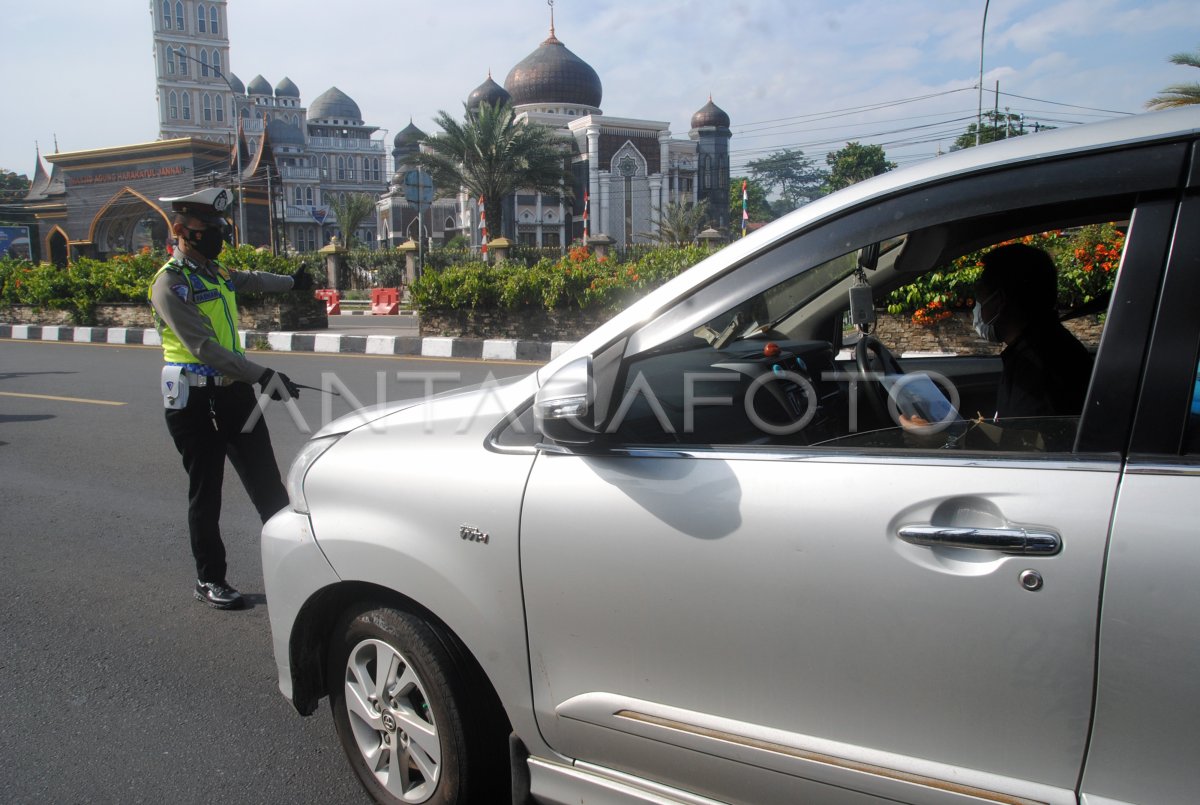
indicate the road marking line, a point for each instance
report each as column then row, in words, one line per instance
column 60, row 399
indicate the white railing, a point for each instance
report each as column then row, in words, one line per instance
column 345, row 144
column 294, row 172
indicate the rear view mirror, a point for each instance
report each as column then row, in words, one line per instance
column 563, row 408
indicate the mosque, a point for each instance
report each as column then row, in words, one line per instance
column 291, row 161
column 625, row 169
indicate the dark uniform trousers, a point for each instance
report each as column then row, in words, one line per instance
column 204, row 448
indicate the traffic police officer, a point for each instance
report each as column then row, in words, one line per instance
column 206, row 380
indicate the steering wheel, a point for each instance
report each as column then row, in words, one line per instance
column 873, row 359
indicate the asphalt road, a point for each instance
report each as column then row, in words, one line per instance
column 115, row 684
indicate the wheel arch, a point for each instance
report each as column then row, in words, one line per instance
column 314, row 628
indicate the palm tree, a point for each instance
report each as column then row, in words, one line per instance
column 1179, row 94
column 679, row 222
column 489, row 154
column 351, row 210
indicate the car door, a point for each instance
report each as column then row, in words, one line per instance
column 757, row 624
column 1144, row 747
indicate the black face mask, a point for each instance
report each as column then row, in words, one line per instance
column 207, row 241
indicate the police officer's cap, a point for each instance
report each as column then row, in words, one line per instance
column 209, row 204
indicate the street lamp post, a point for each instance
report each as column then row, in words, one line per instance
column 982, row 31
column 237, row 145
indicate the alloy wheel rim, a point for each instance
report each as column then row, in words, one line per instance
column 391, row 721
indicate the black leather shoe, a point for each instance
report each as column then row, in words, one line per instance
column 219, row 594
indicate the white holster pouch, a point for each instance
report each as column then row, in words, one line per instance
column 174, row 387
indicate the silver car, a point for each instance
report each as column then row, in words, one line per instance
column 698, row 559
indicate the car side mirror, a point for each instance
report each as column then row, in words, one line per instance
column 564, row 407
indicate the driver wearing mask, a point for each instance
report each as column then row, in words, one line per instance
column 1046, row 369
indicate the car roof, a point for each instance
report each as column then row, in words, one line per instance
column 1174, row 124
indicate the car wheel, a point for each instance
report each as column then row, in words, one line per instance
column 400, row 707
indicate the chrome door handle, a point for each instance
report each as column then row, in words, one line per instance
column 1017, row 541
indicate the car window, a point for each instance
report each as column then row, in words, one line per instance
column 1193, row 430
column 780, row 367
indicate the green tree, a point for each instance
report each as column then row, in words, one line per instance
column 679, row 223
column 351, row 210
column 854, row 163
column 996, row 126
column 757, row 205
column 1179, row 94
column 13, row 186
column 490, row 154
column 796, row 178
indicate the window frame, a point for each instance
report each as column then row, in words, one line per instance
column 214, row 20
column 201, row 19
column 1139, row 178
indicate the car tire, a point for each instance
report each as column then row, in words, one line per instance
column 405, row 716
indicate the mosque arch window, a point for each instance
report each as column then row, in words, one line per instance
column 216, row 62
column 258, row 114
column 204, row 63
column 173, row 106
column 295, row 120
column 169, row 57
column 201, row 19
column 324, row 167
column 376, row 170
column 166, row 14
column 183, row 61
column 219, row 106
column 341, row 168
column 206, row 106
column 179, row 19
column 186, row 105
column 299, row 196
column 214, row 26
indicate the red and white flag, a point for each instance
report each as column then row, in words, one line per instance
column 585, row 217
column 482, row 227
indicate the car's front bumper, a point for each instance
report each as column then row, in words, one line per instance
column 294, row 568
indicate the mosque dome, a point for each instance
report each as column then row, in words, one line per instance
column 333, row 104
column 287, row 89
column 408, row 136
column 710, row 115
column 488, row 92
column 553, row 74
column 259, row 86
column 236, row 83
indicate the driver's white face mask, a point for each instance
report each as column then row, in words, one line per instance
column 985, row 329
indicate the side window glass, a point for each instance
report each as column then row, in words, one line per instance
column 792, row 366
column 1193, row 430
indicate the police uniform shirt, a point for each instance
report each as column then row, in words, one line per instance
column 171, row 296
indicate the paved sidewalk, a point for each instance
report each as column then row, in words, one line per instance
column 370, row 338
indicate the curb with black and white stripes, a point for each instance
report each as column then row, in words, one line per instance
column 495, row 349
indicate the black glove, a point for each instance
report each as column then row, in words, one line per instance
column 302, row 281
column 272, row 381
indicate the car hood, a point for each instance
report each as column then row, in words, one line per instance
column 374, row 413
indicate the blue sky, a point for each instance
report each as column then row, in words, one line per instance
column 790, row 73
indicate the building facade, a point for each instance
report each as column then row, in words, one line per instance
column 301, row 159
column 626, row 170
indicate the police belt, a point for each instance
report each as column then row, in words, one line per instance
column 208, row 380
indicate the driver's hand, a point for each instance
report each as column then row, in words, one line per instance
column 913, row 423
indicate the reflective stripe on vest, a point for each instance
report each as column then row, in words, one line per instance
column 216, row 301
